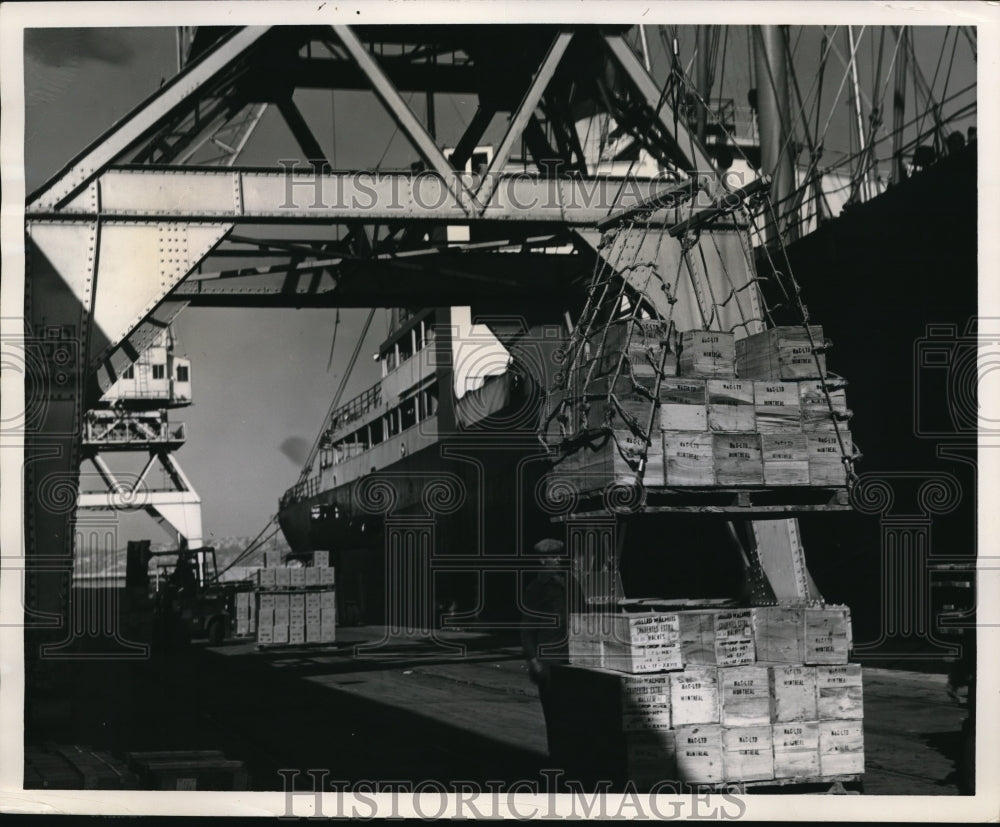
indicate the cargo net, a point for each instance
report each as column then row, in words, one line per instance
column 708, row 375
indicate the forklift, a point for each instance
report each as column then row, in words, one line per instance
column 188, row 601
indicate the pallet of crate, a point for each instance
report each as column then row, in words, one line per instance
column 245, row 622
column 296, row 617
column 754, row 696
column 758, row 412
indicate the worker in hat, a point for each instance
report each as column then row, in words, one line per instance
column 553, row 592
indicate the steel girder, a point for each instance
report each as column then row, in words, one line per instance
column 109, row 246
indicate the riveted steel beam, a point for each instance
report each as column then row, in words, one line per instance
column 299, row 196
column 524, row 112
column 403, row 115
column 144, row 119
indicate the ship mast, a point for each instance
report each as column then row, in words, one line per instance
column 773, row 120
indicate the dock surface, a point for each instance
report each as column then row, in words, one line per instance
column 459, row 708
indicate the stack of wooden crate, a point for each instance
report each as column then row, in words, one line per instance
column 752, row 412
column 714, row 696
column 295, row 605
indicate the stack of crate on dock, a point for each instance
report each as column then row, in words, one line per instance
column 759, row 411
column 714, row 696
column 296, row 606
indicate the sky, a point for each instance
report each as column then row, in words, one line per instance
column 260, row 377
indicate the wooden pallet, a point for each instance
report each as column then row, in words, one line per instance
column 716, row 500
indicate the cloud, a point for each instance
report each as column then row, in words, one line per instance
column 296, row 448
column 66, row 47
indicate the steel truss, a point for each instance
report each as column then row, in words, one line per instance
column 132, row 231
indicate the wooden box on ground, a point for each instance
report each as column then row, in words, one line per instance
column 603, row 702
column 776, row 406
column 796, row 749
column 730, row 405
column 782, row 353
column 786, row 460
column 826, row 458
column 793, row 692
column 689, row 458
column 683, row 405
column 611, row 458
column 650, row 757
column 722, row 637
column 75, row 768
column 816, row 410
column 841, row 747
column 737, row 459
column 694, row 696
column 700, row 754
column 827, row 634
column 188, row 770
column 707, row 353
column 748, row 753
column 744, row 695
column 839, row 692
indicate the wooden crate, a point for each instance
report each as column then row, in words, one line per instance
column 744, row 695
column 279, row 633
column 282, row 577
column 841, row 747
column 793, row 692
column 796, row 749
column 694, row 696
column 748, row 753
column 730, row 405
column 779, row 633
column 839, row 692
column 641, row 658
column 722, row 637
column 327, row 576
column 188, row 770
column 683, row 405
column 613, row 458
column 782, row 353
column 321, row 559
column 785, row 459
column 707, row 353
column 297, row 632
column 267, row 578
column 297, row 578
column 640, row 347
column 650, row 757
column 700, row 754
column 265, row 633
column 645, row 702
column 57, row 767
column 826, row 460
column 737, row 459
column 585, row 638
column 776, row 406
column 314, row 632
column 312, row 577
column 816, row 413
column 689, row 458
column 827, row 635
